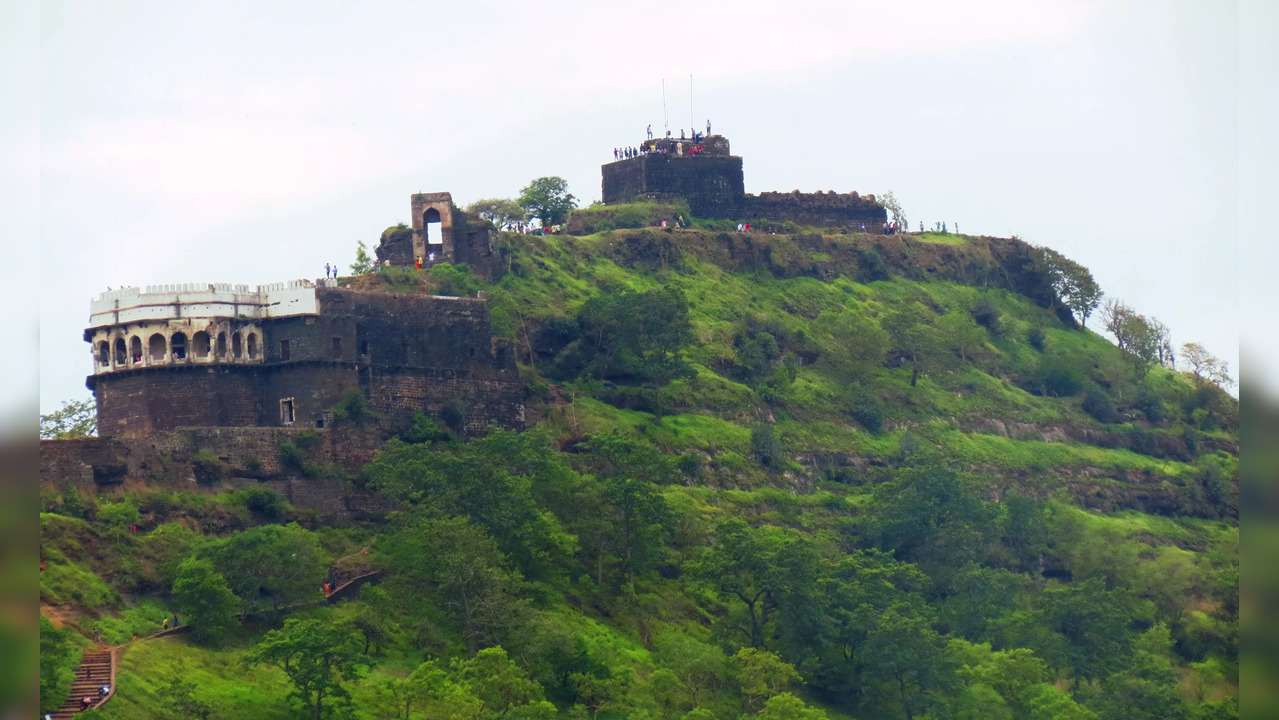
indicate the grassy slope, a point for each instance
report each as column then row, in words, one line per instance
column 711, row 414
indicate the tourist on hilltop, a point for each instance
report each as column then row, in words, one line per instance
column 681, row 134
column 650, row 131
column 708, row 127
column 326, row 270
column 615, row 156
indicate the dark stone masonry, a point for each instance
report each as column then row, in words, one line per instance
column 710, row 178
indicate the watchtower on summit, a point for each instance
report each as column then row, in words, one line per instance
column 703, row 171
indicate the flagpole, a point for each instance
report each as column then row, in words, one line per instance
column 666, row 118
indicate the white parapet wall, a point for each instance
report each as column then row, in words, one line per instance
column 204, row 300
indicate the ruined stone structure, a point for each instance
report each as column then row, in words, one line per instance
column 284, row 355
column 710, row 178
column 440, row 227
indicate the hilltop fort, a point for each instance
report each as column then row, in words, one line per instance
column 189, row 371
column 710, row 178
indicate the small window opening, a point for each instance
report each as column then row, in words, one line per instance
column 364, row 347
column 286, row 411
column 236, row 351
column 284, row 350
column 121, row 352
column 337, row 348
column 221, row 345
column 431, row 222
column 135, row 349
column 200, row 345
column 319, row 423
column 179, row 345
column 157, row 347
column 253, row 346
column 104, row 353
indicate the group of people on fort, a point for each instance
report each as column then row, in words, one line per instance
column 696, row 135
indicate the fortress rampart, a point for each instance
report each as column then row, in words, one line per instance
column 285, row 354
column 710, row 178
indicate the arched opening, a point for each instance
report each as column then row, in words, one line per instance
column 235, row 346
column 431, row 226
column 221, row 345
column 104, row 352
column 253, row 346
column 121, row 352
column 135, row 349
column 200, row 345
column 179, row 346
column 156, row 347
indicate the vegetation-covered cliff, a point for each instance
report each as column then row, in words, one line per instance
column 776, row 474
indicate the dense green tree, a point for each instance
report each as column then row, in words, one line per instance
column 785, row 706
column 760, row 568
column 276, row 564
column 631, row 335
column 502, row 213
column 501, row 483
column 457, row 563
column 548, row 200
column 761, row 675
column 75, row 419
column 960, row 334
column 203, row 598
column 317, row 656
column 1072, row 283
column 932, row 516
column 502, row 687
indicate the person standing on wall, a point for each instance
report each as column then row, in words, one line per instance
column 708, row 126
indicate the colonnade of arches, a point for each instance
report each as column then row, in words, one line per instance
column 158, row 348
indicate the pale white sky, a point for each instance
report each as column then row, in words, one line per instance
column 253, row 142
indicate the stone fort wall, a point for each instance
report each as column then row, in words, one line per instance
column 712, row 182
column 405, row 353
column 242, row 457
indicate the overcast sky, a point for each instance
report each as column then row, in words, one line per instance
column 253, row 142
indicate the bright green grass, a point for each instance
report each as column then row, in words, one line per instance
column 251, row 693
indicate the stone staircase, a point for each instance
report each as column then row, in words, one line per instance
column 96, row 669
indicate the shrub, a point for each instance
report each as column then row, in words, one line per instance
column 985, row 313
column 453, row 279
column 690, row 465
column 765, row 447
column 1057, row 377
column 1150, row 405
column 1098, row 404
column 868, row 411
column 1035, row 336
column 264, row 501
column 424, row 430
column 453, row 415
column 291, row 457
column 871, row 266
column 353, row 407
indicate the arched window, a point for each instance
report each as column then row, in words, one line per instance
column 121, row 352
column 221, row 345
column 200, row 345
column 236, row 352
column 253, row 346
column 179, row 345
column 104, row 352
column 157, row 347
column 135, row 349
column 431, row 224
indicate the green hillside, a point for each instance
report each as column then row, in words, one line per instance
column 782, row 474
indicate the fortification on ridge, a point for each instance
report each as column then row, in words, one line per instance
column 706, row 174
